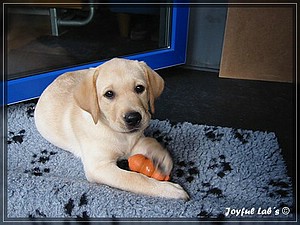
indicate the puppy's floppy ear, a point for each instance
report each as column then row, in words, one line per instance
column 155, row 84
column 85, row 94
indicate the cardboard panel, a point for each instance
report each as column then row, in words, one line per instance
column 259, row 44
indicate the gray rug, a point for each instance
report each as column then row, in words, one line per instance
column 229, row 174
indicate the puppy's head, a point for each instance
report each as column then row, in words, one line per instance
column 118, row 93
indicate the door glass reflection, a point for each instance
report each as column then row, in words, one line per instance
column 41, row 38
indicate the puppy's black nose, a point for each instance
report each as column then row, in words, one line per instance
column 133, row 119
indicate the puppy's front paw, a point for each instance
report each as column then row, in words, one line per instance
column 163, row 161
column 172, row 190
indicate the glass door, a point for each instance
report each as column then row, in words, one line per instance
column 42, row 41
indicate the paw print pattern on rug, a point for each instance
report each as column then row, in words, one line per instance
column 14, row 137
column 220, row 166
column 162, row 138
column 69, row 207
column 38, row 162
column 242, row 136
column 187, row 170
column 30, row 110
column 213, row 134
column 37, row 214
column 208, row 190
column 278, row 187
column 208, row 215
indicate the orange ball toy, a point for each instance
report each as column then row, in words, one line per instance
column 141, row 164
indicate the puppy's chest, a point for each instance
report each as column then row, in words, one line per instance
column 123, row 146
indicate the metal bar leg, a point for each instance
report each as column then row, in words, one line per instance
column 54, row 21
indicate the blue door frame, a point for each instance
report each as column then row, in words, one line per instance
column 32, row 86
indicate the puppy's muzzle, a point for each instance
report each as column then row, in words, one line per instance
column 132, row 119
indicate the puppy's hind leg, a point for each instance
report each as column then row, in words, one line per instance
column 110, row 174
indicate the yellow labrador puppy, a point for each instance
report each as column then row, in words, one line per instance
column 99, row 114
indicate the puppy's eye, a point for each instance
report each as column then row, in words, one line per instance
column 139, row 89
column 109, row 94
